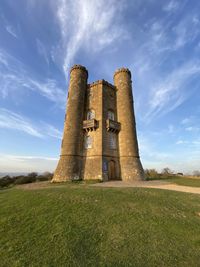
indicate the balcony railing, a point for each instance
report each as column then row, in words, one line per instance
column 90, row 125
column 113, row 126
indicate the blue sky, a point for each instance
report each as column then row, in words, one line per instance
column 159, row 41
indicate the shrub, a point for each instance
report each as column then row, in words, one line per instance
column 6, row 181
column 152, row 174
column 30, row 178
column 46, row 176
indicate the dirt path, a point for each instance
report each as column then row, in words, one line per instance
column 151, row 184
column 38, row 185
column 120, row 184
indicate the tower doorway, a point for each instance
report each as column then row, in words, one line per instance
column 111, row 170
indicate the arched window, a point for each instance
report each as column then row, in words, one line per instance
column 90, row 114
column 112, row 141
column 88, row 141
column 111, row 115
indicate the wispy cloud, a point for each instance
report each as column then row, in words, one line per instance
column 195, row 144
column 24, row 163
column 170, row 92
column 185, row 157
column 50, row 130
column 11, row 30
column 171, row 6
column 15, row 121
column 168, row 74
column 11, row 120
column 181, row 142
column 42, row 50
column 186, row 31
column 14, row 77
column 192, row 129
column 89, row 25
column 186, row 121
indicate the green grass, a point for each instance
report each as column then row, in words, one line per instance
column 185, row 181
column 178, row 180
column 78, row 225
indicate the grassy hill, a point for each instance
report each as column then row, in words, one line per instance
column 185, row 181
column 78, row 225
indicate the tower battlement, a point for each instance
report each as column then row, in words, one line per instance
column 99, row 138
column 79, row 67
column 103, row 82
column 122, row 70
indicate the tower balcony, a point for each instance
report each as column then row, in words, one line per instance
column 113, row 126
column 90, row 125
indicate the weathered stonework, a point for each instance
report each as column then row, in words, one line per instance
column 99, row 139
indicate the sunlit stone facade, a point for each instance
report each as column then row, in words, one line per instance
column 99, row 138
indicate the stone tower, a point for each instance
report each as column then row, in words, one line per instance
column 99, row 139
column 131, row 167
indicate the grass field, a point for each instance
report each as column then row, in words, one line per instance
column 78, row 225
column 185, row 181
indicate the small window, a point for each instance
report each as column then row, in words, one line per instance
column 111, row 115
column 112, row 141
column 90, row 114
column 88, row 142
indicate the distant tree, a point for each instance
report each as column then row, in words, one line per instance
column 167, row 171
column 151, row 174
column 46, row 176
column 196, row 173
column 32, row 175
column 26, row 179
column 6, row 181
column 179, row 174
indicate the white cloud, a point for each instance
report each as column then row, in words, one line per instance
column 186, row 31
column 171, row 6
column 184, row 157
column 14, row 78
column 89, row 25
column 15, row 121
column 11, row 120
column 42, row 50
column 21, row 163
column 171, row 129
column 180, row 142
column 11, row 30
column 192, row 129
column 186, row 120
column 172, row 90
column 50, row 130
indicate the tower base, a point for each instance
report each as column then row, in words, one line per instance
column 68, row 168
column 131, row 169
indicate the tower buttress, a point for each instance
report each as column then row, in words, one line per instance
column 131, row 167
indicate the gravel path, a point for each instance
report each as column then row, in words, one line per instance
column 151, row 184
column 120, row 184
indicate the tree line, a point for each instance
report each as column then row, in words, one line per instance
column 25, row 179
column 153, row 174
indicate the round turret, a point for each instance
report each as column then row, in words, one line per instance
column 69, row 166
column 126, row 70
column 131, row 168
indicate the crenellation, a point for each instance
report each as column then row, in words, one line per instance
column 80, row 67
column 122, row 70
column 101, row 82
